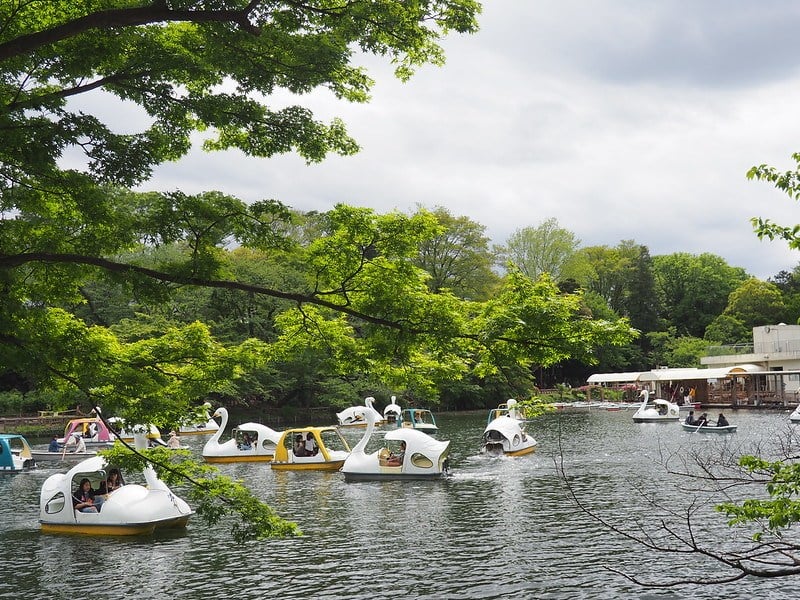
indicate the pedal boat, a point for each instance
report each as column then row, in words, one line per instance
column 130, row 510
column 506, row 436
column 656, row 411
column 261, row 448
column 207, row 427
column 93, row 430
column 15, row 454
column 420, row 419
column 331, row 450
column 354, row 415
column 423, row 458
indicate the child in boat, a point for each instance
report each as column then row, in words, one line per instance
column 83, row 498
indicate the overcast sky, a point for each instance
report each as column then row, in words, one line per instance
column 622, row 119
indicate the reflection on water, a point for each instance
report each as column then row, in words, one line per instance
column 498, row 528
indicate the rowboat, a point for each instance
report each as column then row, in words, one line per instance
column 710, row 428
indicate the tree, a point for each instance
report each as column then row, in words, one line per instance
column 694, row 289
column 542, row 249
column 458, row 258
column 755, row 303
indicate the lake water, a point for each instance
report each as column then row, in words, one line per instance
column 498, row 528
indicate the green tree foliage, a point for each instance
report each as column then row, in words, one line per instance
column 694, row 289
column 755, row 303
column 458, row 258
column 671, row 349
column 546, row 248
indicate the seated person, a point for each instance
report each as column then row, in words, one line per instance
column 395, row 460
column 83, row 499
column 76, row 440
column 53, row 447
column 311, row 445
column 722, row 421
column 299, row 448
column 702, row 421
column 113, row 482
column 690, row 418
column 246, row 443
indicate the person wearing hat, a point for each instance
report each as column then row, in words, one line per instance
column 174, row 442
column 77, row 440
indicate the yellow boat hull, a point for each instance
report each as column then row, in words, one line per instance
column 239, row 459
column 130, row 529
column 319, row 466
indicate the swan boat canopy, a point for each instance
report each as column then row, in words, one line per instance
column 508, row 408
column 206, row 426
column 310, row 448
column 129, row 510
column 709, row 428
column 505, row 435
column 655, row 411
column 92, row 429
column 15, row 453
column 416, row 455
column 392, row 412
column 418, row 418
column 354, row 415
column 250, row 442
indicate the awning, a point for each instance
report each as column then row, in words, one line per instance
column 614, row 377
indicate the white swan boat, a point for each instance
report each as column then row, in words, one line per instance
column 392, row 412
column 250, row 442
column 795, row 416
column 655, row 411
column 15, row 453
column 505, row 433
column 310, row 448
column 417, row 456
column 354, row 415
column 129, row 510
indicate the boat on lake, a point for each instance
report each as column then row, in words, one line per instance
column 418, row 418
column 655, row 411
column 250, row 442
column 354, row 415
column 15, row 453
column 92, row 430
column 795, row 416
column 131, row 509
column 392, row 411
column 505, row 433
column 407, row 454
column 42, row 455
column 310, row 448
column 709, row 427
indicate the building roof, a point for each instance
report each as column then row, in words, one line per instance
column 675, row 374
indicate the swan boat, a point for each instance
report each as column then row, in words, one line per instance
column 418, row 418
column 795, row 416
column 15, row 453
column 709, row 428
column 129, row 510
column 354, row 415
column 422, row 457
column 392, row 412
column 505, row 435
column 207, row 427
column 250, row 442
column 655, row 411
column 503, row 409
column 310, row 448
column 93, row 430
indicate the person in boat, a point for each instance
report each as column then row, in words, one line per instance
column 690, row 418
column 77, row 440
column 83, row 500
column 246, row 443
column 395, row 460
column 113, row 482
column 311, row 445
column 53, row 447
column 174, row 441
column 702, row 421
column 299, row 445
column 722, row 421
